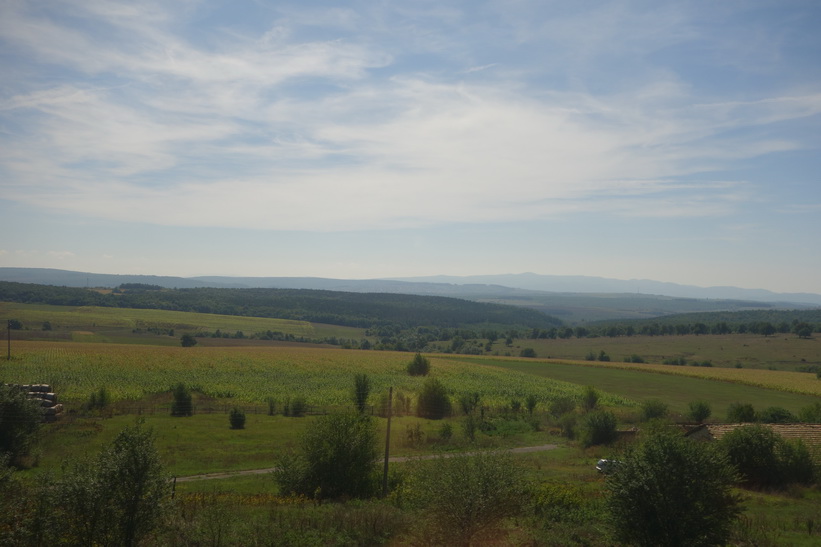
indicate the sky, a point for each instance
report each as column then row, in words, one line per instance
column 677, row 141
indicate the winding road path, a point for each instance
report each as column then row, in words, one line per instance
column 225, row 475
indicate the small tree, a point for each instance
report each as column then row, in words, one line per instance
column 182, row 404
column 699, row 411
column 561, row 405
column 188, row 341
column 420, row 366
column 237, row 418
column 671, row 491
column 530, row 403
column 433, row 402
column 361, row 390
column 117, row 499
column 337, row 459
column 764, row 459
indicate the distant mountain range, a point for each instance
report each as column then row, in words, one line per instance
column 573, row 298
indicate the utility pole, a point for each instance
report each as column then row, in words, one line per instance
column 8, row 329
column 387, row 444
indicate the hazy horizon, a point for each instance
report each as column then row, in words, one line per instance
column 668, row 141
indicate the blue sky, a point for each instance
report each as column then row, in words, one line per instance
column 677, row 141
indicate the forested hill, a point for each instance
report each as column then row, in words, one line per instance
column 333, row 307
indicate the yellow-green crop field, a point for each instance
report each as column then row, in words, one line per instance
column 323, row 376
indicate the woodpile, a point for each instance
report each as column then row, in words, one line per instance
column 52, row 410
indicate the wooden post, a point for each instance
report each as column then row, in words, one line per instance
column 387, row 444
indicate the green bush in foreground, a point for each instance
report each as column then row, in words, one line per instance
column 671, row 491
column 463, row 495
column 20, row 420
column 597, row 427
column 337, row 459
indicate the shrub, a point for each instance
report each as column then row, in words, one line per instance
column 188, row 341
column 590, row 398
column 741, row 413
column 181, row 405
column 766, row 460
column 337, row 459
column 530, row 403
column 463, row 495
column 295, row 408
column 603, row 356
column 237, row 418
column 469, row 402
column 653, row 409
column 272, row 405
column 561, row 405
column 117, row 499
column 361, row 390
column 776, row 415
column 98, row 400
column 446, row 431
column 433, row 402
column 811, row 414
column 567, row 424
column 527, row 352
column 669, row 490
column 20, row 420
column 420, row 366
column 598, row 427
column 699, row 411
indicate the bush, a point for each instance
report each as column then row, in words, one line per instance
column 188, row 341
column 561, row 406
column 469, row 402
column 361, row 390
column 337, row 459
column 776, row 415
column 237, row 418
column 590, row 398
column 765, row 460
column 699, row 411
column 272, row 405
column 119, row 498
column 433, row 402
column 811, row 414
column 653, row 409
column 182, row 404
column 20, row 420
column 669, row 490
column 463, row 495
column 295, row 408
column 741, row 413
column 420, row 366
column 527, row 352
column 98, row 400
column 598, row 427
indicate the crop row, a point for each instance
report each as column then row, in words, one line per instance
column 252, row 374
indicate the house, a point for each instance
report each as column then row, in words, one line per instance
column 809, row 433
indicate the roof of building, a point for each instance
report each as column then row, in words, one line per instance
column 809, row 433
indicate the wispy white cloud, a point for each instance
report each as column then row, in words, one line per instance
column 281, row 128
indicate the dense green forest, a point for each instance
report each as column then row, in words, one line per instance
column 364, row 310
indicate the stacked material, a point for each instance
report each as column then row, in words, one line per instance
column 52, row 410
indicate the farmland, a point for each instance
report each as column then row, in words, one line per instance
column 124, row 351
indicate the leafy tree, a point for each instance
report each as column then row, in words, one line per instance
column 699, row 411
column 420, row 366
column 337, row 459
column 15, row 324
column 182, row 404
column 236, row 418
column 20, row 420
column 811, row 414
column 361, row 390
column 670, row 491
column 527, row 352
column 465, row 494
column 653, row 409
column 433, row 402
column 530, row 403
column 741, row 413
column 188, row 341
column 117, row 499
column 598, row 427
column 469, row 402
